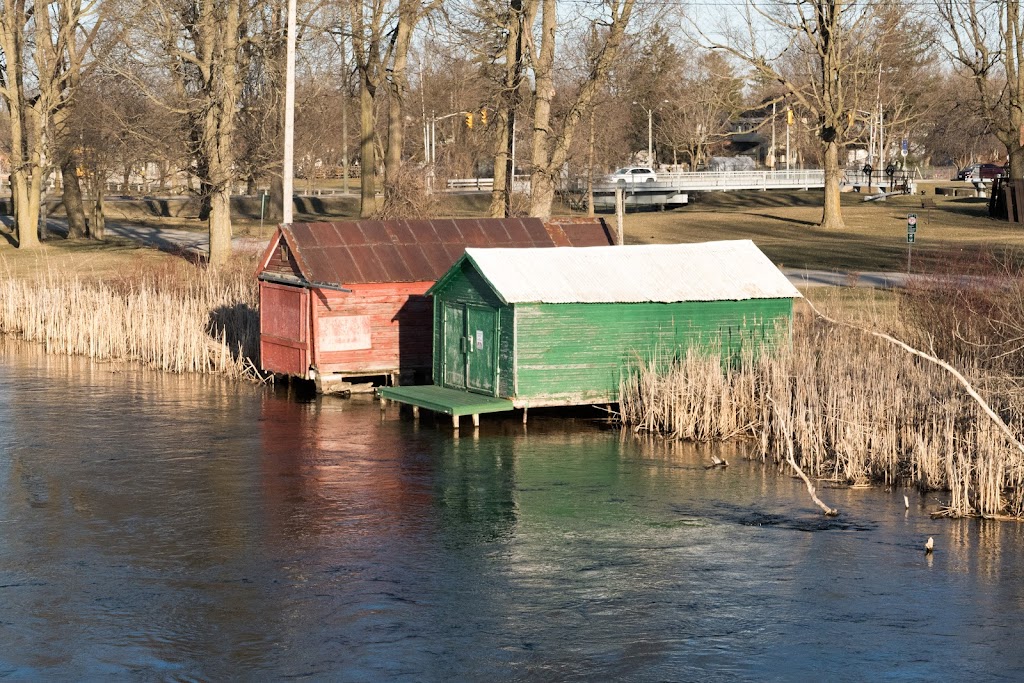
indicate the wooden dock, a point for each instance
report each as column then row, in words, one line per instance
column 448, row 401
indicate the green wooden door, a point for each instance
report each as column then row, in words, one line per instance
column 454, row 346
column 482, row 345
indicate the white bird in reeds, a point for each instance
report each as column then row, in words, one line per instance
column 906, row 502
column 929, row 545
column 716, row 462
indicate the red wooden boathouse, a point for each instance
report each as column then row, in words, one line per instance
column 347, row 299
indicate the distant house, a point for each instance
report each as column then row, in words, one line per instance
column 560, row 327
column 348, row 299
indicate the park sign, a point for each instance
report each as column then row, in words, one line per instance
column 911, row 227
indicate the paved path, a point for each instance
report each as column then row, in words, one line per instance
column 178, row 240
column 805, row 277
column 165, row 239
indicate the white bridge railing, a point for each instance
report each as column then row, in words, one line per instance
column 519, row 184
column 727, row 180
column 681, row 182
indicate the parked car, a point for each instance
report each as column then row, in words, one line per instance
column 633, row 174
column 980, row 172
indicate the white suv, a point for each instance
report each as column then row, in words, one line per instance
column 633, row 174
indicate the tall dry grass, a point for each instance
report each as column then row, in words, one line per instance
column 852, row 409
column 175, row 316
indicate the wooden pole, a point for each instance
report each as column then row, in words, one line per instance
column 619, row 210
column 289, row 117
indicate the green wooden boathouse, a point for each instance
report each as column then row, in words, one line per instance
column 547, row 327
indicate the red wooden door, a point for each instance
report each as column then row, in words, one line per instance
column 284, row 329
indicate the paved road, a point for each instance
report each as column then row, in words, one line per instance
column 178, row 240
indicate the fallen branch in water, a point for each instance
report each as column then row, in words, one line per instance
column 829, row 512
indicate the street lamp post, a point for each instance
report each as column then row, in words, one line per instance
column 650, row 131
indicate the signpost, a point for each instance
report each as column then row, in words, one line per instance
column 911, row 234
column 904, row 147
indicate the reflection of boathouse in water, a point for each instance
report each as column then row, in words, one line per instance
column 347, row 299
column 520, row 328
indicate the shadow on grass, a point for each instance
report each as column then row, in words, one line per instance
column 784, row 219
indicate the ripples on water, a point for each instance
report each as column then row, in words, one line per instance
column 157, row 527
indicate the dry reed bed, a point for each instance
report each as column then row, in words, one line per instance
column 852, row 409
column 177, row 318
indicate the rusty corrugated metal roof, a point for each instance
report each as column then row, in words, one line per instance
column 732, row 270
column 580, row 232
column 360, row 252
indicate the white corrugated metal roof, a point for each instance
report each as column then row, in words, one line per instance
column 707, row 271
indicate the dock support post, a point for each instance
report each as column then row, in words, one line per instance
column 476, row 419
column 524, row 415
column 415, row 412
column 455, row 421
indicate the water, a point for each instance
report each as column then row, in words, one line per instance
column 168, row 528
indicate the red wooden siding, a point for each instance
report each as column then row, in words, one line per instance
column 284, row 329
column 397, row 317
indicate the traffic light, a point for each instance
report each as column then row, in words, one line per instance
column 789, row 117
column 469, row 120
column 483, row 117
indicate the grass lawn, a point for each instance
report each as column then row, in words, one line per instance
column 782, row 223
column 84, row 258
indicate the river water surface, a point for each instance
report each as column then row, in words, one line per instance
column 171, row 528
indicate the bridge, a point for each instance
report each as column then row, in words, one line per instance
column 674, row 188
column 701, row 181
column 670, row 188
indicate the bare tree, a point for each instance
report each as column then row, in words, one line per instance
column 694, row 123
column 550, row 146
column 198, row 46
column 958, row 133
column 37, row 39
column 821, row 29
column 987, row 39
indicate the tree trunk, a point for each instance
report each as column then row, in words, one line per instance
column 398, row 85
column 219, row 127
column 72, row 198
column 505, row 116
column 98, row 222
column 220, row 227
column 832, row 213
column 551, row 151
column 542, row 185
column 367, row 153
column 499, row 204
column 590, row 167
column 275, row 208
column 26, row 211
column 205, row 191
column 1016, row 162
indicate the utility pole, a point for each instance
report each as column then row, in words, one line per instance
column 289, row 117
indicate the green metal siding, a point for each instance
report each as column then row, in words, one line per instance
column 467, row 286
column 576, row 353
column 551, row 354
